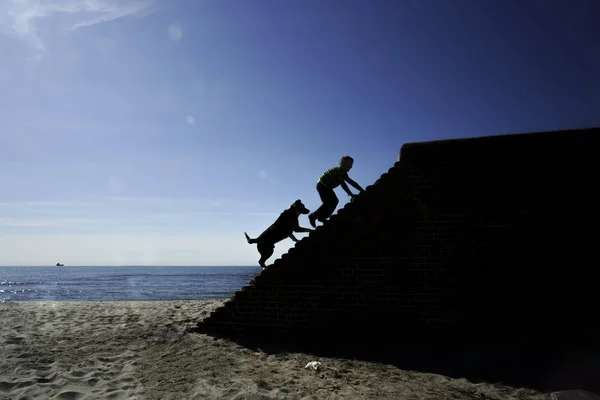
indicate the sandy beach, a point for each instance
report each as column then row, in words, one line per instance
column 139, row 350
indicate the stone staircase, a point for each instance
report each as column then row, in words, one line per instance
column 301, row 266
column 459, row 239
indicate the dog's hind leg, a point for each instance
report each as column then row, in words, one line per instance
column 265, row 251
column 251, row 241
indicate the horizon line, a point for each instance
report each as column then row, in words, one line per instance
column 124, row 265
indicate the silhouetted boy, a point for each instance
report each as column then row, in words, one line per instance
column 331, row 179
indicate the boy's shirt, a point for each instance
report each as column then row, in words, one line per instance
column 333, row 177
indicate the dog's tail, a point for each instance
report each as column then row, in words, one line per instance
column 251, row 241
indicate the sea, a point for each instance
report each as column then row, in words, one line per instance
column 128, row 283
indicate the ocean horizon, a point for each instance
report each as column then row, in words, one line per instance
column 122, row 283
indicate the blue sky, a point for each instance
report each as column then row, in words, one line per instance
column 157, row 132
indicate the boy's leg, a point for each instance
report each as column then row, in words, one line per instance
column 313, row 216
column 329, row 205
column 330, row 202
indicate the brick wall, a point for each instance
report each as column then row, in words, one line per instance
column 470, row 238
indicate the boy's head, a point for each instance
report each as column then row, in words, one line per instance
column 346, row 162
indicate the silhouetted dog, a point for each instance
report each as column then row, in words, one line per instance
column 283, row 227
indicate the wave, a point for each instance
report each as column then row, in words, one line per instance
column 17, row 283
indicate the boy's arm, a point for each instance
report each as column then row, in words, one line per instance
column 356, row 185
column 346, row 189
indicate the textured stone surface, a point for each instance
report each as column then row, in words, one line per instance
column 480, row 238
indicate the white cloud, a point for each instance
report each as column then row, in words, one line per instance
column 116, row 184
column 175, row 32
column 262, row 174
column 55, row 203
column 179, row 203
column 20, row 18
column 42, row 223
column 117, row 214
column 175, row 202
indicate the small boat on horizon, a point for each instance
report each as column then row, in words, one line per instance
column 60, row 265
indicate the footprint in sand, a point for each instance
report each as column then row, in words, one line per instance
column 263, row 384
column 127, row 379
column 117, row 394
column 243, row 396
column 70, row 395
column 108, row 358
column 92, row 381
column 7, row 386
column 14, row 340
column 58, row 383
column 45, row 365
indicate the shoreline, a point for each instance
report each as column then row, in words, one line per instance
column 140, row 350
column 222, row 299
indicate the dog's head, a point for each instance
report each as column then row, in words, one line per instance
column 298, row 206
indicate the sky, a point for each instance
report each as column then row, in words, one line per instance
column 142, row 132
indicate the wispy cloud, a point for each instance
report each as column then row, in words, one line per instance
column 116, row 184
column 125, row 201
column 262, row 174
column 21, row 18
column 175, row 32
column 115, row 213
column 42, row 223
